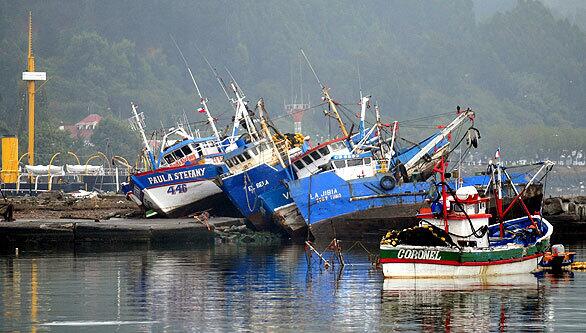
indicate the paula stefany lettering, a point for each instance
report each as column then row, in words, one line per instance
column 180, row 175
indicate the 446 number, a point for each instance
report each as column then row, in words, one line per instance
column 181, row 188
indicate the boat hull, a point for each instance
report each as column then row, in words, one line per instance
column 427, row 269
column 361, row 210
column 278, row 207
column 503, row 257
column 245, row 190
column 180, row 191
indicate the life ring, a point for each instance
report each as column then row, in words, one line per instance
column 388, row 183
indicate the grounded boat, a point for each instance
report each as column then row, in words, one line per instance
column 454, row 239
column 277, row 203
column 368, row 186
column 256, row 162
column 180, row 179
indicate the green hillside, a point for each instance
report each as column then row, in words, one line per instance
column 522, row 69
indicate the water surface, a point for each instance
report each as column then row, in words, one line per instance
column 232, row 288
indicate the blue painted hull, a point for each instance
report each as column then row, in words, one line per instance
column 179, row 191
column 326, row 196
column 333, row 207
column 245, row 190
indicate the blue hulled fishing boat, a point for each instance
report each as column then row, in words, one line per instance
column 376, row 185
column 179, row 179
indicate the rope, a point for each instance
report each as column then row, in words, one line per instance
column 483, row 229
column 246, row 177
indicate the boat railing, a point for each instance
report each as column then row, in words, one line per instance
column 282, row 148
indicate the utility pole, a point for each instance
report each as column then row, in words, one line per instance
column 31, row 76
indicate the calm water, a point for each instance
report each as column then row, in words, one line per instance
column 229, row 288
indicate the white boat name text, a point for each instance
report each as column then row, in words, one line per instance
column 419, row 254
column 194, row 173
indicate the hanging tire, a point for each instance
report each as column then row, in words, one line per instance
column 388, row 183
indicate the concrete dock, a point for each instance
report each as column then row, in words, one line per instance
column 66, row 232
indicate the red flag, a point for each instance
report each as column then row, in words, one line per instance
column 201, row 110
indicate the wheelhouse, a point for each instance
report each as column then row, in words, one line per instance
column 190, row 150
column 354, row 166
column 314, row 160
column 251, row 154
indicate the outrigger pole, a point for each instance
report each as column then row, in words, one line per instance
column 202, row 99
column 497, row 185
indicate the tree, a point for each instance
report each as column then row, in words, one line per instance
column 114, row 137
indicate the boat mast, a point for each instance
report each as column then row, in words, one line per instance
column 263, row 123
column 137, row 120
column 327, row 97
column 241, row 111
column 203, row 101
column 234, row 102
column 364, row 104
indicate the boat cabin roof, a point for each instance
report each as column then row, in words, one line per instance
column 317, row 148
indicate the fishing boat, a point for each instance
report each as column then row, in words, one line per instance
column 454, row 238
column 256, row 160
column 277, row 203
column 372, row 185
column 180, row 177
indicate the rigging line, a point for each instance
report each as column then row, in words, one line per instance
column 300, row 111
column 428, row 117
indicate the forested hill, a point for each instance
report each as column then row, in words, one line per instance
column 523, row 68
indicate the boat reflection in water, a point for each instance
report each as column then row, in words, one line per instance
column 468, row 304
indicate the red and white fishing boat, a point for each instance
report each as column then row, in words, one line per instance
column 454, row 238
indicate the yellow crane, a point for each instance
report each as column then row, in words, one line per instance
column 31, row 76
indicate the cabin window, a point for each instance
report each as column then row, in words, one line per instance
column 339, row 164
column 229, row 163
column 178, row 154
column 316, row 156
column 246, row 155
column 458, row 208
column 169, row 158
column 186, row 150
column 307, row 160
column 352, row 163
column 299, row 165
column 324, row 151
column 240, row 158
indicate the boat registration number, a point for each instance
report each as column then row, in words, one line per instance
column 175, row 189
